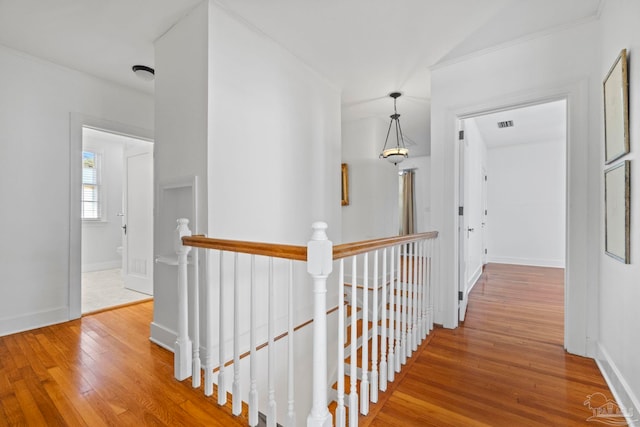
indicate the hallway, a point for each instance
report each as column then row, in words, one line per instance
column 505, row 366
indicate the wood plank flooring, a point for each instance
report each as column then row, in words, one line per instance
column 101, row 370
column 504, row 367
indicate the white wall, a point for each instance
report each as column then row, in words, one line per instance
column 35, row 106
column 526, row 203
column 373, row 183
column 274, row 139
column 552, row 66
column 619, row 293
column 181, row 99
column 262, row 133
column 100, row 239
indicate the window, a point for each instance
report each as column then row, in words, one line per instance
column 91, row 188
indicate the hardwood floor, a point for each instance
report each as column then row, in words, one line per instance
column 99, row 370
column 504, row 367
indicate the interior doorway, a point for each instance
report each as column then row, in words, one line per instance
column 117, row 219
column 512, row 190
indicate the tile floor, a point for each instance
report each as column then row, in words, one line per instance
column 104, row 289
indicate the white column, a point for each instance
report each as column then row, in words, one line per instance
column 182, row 349
column 319, row 266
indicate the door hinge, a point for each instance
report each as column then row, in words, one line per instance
column 485, row 211
column 485, row 177
column 485, row 251
column 460, row 210
column 460, row 295
column 460, row 135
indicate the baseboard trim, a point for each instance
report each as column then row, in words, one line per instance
column 555, row 263
column 99, row 266
column 162, row 336
column 26, row 322
column 474, row 279
column 622, row 393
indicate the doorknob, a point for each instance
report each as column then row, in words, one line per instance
column 124, row 227
column 469, row 229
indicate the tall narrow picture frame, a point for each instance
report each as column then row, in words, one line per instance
column 617, row 216
column 345, row 184
column 616, row 110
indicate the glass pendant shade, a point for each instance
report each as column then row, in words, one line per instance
column 398, row 153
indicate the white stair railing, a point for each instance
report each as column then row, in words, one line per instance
column 389, row 301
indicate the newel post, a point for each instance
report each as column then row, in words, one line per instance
column 319, row 266
column 182, row 348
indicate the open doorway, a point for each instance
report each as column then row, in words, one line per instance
column 117, row 220
column 512, row 190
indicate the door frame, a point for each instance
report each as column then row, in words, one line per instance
column 463, row 222
column 76, row 122
column 460, row 167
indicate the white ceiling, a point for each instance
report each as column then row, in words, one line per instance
column 367, row 48
column 531, row 124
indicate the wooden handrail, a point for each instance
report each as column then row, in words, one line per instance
column 299, row 253
column 349, row 249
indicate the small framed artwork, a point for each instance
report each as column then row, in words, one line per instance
column 616, row 110
column 617, row 214
column 345, row 184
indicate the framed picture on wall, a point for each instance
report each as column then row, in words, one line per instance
column 345, row 184
column 616, row 110
column 617, row 213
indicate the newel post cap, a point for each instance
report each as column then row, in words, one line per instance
column 319, row 251
column 181, row 230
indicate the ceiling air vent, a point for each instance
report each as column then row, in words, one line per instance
column 505, row 124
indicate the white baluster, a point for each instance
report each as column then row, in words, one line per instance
column 408, row 278
column 398, row 349
column 428, row 278
column 222, row 389
column 425, row 289
column 435, row 275
column 383, row 327
column 253, row 371
column 340, row 410
column 374, row 333
column 236, row 407
column 208, row 319
column 415, row 285
column 364, row 383
column 271, row 353
column 196, row 364
column 392, row 317
column 420, row 284
column 404, row 347
column 319, row 266
column 291, row 414
column 353, row 354
column 182, row 348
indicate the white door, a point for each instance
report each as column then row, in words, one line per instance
column 463, row 229
column 137, row 221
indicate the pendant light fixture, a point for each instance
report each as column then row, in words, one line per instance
column 398, row 153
